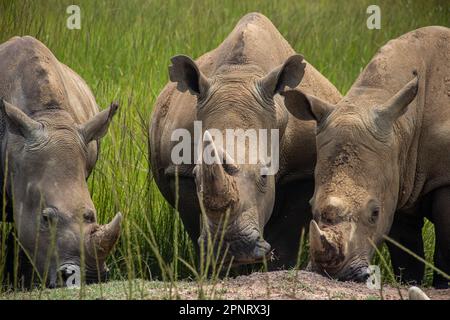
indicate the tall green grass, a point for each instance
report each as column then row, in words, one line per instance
column 123, row 50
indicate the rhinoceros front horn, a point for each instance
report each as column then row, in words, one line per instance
column 213, row 174
column 216, row 185
column 106, row 236
column 317, row 238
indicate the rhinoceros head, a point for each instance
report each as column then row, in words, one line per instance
column 356, row 178
column 47, row 160
column 236, row 194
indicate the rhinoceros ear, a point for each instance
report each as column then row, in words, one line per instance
column 305, row 106
column 185, row 72
column 289, row 74
column 96, row 127
column 398, row 104
column 18, row 121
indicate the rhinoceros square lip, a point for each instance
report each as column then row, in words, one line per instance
column 269, row 257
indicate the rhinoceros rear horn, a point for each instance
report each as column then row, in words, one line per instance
column 26, row 126
column 185, row 72
column 96, row 127
column 289, row 74
column 106, row 236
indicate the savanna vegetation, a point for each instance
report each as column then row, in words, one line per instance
column 123, row 51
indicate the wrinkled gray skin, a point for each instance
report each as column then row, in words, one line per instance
column 234, row 86
column 383, row 162
column 50, row 127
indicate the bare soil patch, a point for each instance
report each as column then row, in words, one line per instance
column 305, row 285
column 291, row 284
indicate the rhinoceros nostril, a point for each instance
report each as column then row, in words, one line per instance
column 89, row 216
column 261, row 250
column 361, row 275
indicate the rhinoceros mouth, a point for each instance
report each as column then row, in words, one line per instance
column 356, row 269
column 260, row 252
column 358, row 273
column 71, row 274
column 351, row 270
column 243, row 252
column 256, row 260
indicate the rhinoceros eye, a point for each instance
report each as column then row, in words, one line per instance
column 263, row 179
column 49, row 216
column 231, row 169
column 89, row 216
column 374, row 216
column 374, row 210
column 264, row 172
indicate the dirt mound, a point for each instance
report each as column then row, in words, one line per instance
column 302, row 285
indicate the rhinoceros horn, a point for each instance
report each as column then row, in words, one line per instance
column 318, row 238
column 213, row 174
column 216, row 183
column 315, row 236
column 106, row 236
